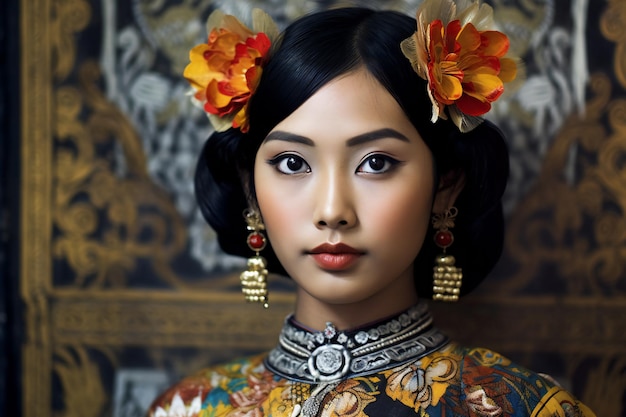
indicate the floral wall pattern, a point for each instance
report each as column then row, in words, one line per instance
column 123, row 283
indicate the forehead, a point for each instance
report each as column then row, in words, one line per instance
column 346, row 106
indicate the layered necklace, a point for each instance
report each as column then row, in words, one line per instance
column 331, row 355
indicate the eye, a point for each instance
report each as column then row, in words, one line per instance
column 377, row 164
column 290, row 164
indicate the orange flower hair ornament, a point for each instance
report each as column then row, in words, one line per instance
column 463, row 60
column 225, row 71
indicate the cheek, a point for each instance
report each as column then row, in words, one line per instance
column 272, row 212
column 278, row 212
column 403, row 216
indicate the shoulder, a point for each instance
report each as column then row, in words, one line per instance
column 185, row 398
column 491, row 381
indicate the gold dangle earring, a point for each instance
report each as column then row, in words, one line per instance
column 254, row 279
column 446, row 277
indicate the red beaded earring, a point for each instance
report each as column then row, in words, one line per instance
column 446, row 276
column 254, row 279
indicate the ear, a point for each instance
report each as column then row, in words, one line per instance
column 450, row 186
column 245, row 183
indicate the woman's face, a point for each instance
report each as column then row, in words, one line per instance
column 345, row 187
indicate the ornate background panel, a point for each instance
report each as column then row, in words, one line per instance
column 123, row 285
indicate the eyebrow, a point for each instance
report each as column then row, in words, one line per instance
column 354, row 141
column 288, row 137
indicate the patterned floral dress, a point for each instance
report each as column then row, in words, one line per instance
column 401, row 366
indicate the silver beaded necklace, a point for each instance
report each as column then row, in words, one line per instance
column 331, row 355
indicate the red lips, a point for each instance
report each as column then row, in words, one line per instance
column 337, row 257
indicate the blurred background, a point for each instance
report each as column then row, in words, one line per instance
column 112, row 287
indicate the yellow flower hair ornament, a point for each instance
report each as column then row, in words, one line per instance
column 225, row 71
column 463, row 60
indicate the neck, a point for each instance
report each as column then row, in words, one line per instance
column 314, row 313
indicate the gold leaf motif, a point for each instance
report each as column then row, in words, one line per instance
column 76, row 370
column 612, row 25
column 72, row 16
column 105, row 221
column 549, row 227
column 606, row 384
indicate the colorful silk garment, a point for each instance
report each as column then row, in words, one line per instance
column 401, row 366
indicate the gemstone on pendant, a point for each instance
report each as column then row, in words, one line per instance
column 256, row 241
column 329, row 331
column 443, row 238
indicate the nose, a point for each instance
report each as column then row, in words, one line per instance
column 334, row 204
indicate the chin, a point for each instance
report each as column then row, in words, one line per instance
column 341, row 298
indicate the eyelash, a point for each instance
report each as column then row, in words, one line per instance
column 280, row 160
column 389, row 162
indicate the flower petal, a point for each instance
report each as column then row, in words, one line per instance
column 475, row 64
column 259, row 43
column 508, row 70
column 263, row 24
column 494, row 43
column 472, row 106
column 469, row 38
column 449, row 88
column 232, row 24
column 484, row 85
column 196, row 71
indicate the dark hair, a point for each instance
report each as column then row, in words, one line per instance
column 315, row 50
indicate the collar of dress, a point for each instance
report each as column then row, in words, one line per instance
column 331, row 355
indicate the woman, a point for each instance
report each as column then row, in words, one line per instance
column 351, row 142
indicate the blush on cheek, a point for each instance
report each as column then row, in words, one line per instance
column 278, row 217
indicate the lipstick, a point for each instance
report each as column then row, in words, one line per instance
column 336, row 257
